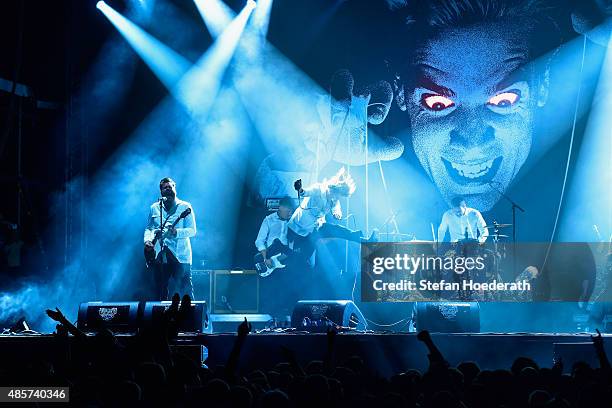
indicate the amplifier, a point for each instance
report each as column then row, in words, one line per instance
column 120, row 317
column 234, row 291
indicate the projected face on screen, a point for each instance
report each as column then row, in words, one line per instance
column 472, row 109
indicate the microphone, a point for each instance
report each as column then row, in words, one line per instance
column 297, row 185
column 163, row 199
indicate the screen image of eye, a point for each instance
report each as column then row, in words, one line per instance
column 436, row 102
column 504, row 99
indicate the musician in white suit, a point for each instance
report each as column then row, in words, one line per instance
column 173, row 258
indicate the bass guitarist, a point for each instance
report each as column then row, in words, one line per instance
column 166, row 241
column 272, row 237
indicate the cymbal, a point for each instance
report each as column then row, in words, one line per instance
column 499, row 236
column 497, row 226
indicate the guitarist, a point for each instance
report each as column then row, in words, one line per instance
column 172, row 247
column 272, row 236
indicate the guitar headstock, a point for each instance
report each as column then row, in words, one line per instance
column 185, row 213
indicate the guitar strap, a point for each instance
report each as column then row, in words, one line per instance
column 176, row 206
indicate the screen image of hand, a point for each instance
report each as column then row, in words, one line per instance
column 344, row 115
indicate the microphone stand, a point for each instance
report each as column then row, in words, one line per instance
column 390, row 220
column 515, row 206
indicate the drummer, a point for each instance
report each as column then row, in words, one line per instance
column 462, row 223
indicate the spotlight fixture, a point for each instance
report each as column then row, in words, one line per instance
column 100, row 4
column 251, row 3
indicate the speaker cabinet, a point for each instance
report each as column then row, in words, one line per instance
column 120, row 317
column 318, row 315
column 234, row 291
column 127, row 317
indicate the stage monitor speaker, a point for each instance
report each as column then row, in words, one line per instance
column 234, row 291
column 196, row 320
column 447, row 317
column 318, row 315
column 228, row 323
column 119, row 317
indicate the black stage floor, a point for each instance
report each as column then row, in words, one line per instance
column 388, row 353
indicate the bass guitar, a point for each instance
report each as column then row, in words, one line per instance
column 276, row 260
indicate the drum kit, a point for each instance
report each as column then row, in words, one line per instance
column 496, row 228
column 401, row 237
column 492, row 253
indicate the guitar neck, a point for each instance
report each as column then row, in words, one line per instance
column 156, row 238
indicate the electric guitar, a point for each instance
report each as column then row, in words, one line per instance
column 149, row 252
column 277, row 260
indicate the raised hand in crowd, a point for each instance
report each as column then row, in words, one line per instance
column 435, row 356
column 244, row 328
column 64, row 324
column 604, row 363
column 56, row 315
column 328, row 362
column 231, row 366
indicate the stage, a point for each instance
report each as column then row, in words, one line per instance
column 385, row 353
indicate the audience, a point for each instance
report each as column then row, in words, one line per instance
column 100, row 371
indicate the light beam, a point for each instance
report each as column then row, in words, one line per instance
column 165, row 63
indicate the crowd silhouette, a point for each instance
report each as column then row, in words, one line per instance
column 101, row 371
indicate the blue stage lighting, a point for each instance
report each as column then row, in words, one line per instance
column 199, row 87
column 261, row 16
column 216, row 15
column 167, row 65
